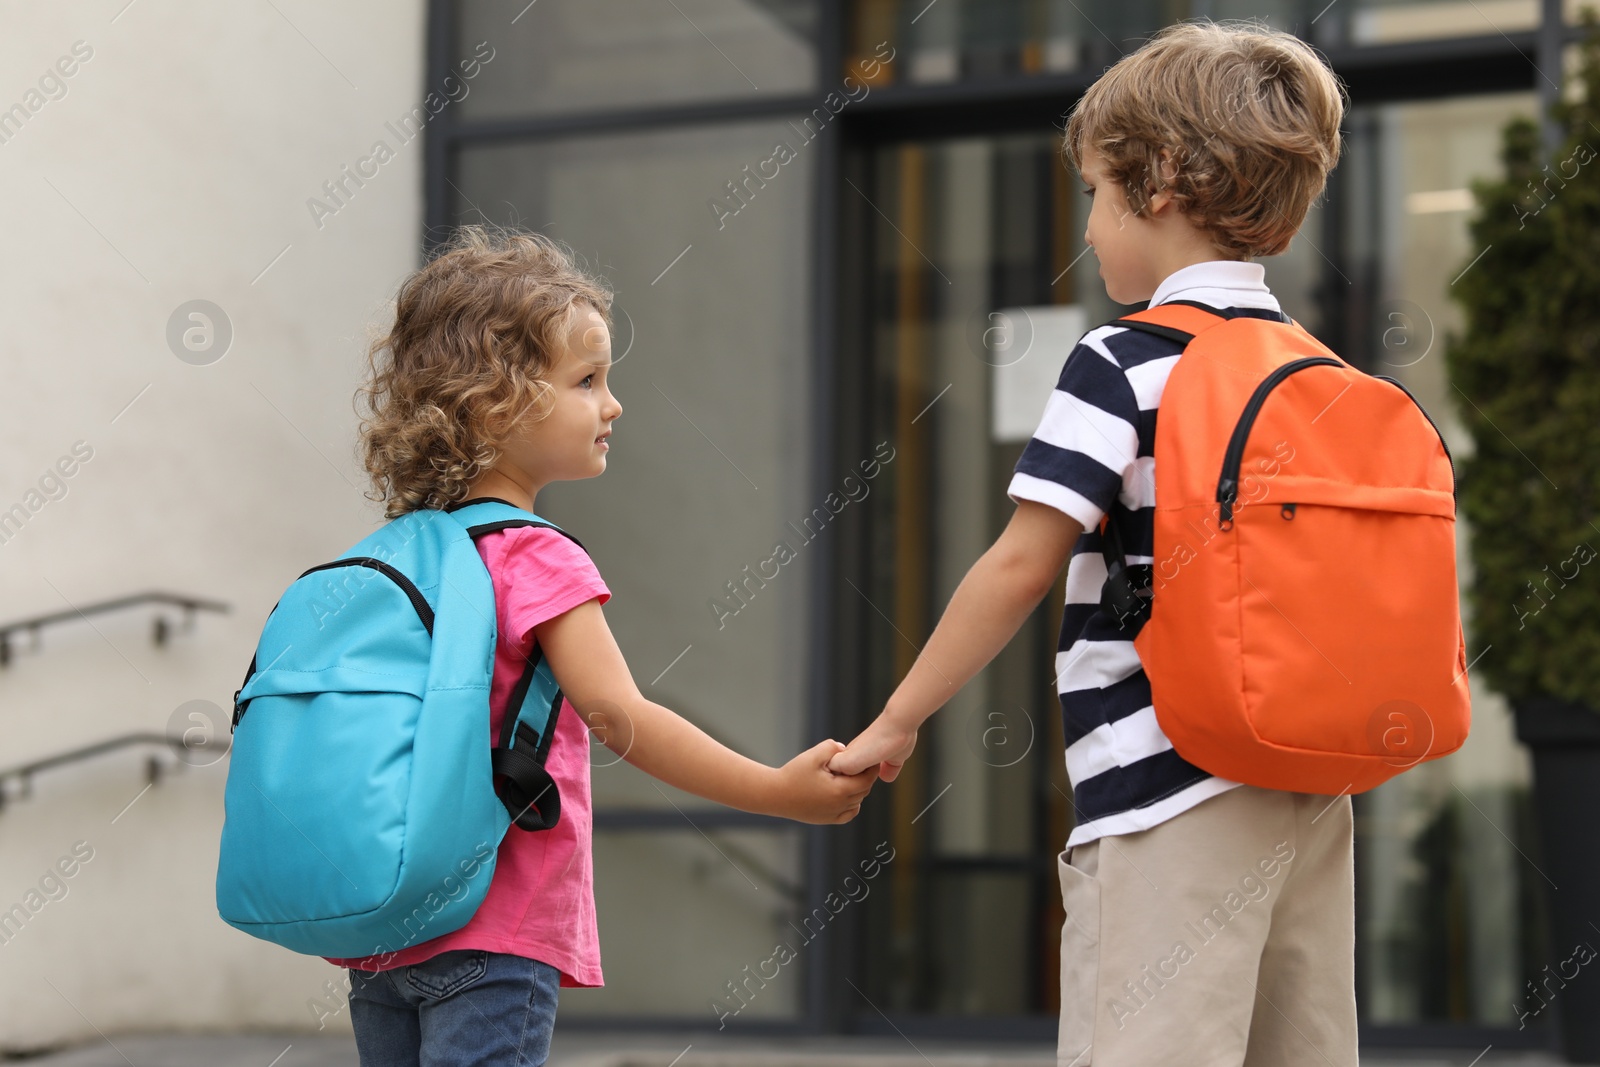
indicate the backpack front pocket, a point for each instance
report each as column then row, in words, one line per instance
column 321, row 768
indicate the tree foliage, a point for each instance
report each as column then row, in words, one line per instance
column 1526, row 373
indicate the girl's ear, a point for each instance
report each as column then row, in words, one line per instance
column 536, row 404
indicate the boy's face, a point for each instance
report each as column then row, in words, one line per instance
column 1117, row 235
column 570, row 442
column 1136, row 253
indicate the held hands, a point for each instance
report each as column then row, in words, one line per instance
column 884, row 744
column 807, row 791
column 827, row 783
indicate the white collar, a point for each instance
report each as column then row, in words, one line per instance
column 1218, row 283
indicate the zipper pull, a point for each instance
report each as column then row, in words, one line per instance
column 1227, row 493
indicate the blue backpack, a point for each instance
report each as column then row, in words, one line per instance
column 364, row 807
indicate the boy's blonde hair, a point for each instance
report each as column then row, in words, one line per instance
column 1249, row 115
column 475, row 336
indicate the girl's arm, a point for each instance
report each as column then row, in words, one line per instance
column 989, row 606
column 587, row 663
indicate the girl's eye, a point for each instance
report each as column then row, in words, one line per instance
column 589, row 381
column 1088, row 192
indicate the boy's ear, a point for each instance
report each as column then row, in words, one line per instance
column 1166, row 176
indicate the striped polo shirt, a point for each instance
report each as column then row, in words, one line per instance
column 1094, row 454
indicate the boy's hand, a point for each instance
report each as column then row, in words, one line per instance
column 884, row 744
column 808, row 791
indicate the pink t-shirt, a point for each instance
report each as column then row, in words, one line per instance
column 540, row 903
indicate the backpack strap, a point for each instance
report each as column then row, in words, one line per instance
column 522, row 782
column 1128, row 593
column 1128, row 590
column 1174, row 321
column 490, row 514
column 1182, row 320
column 1226, row 313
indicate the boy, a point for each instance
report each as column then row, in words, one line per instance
column 1208, row 922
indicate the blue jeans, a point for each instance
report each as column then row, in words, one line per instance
column 463, row 1008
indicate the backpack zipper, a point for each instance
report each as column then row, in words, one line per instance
column 1396, row 382
column 418, row 601
column 1228, row 484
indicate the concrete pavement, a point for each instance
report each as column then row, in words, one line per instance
column 580, row 1049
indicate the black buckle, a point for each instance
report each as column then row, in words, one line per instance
column 1128, row 592
column 523, row 784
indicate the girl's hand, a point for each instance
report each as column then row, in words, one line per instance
column 884, row 744
column 807, row 791
column 589, row 665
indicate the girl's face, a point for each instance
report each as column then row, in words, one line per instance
column 569, row 443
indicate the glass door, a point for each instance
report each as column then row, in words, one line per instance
column 1448, row 887
column 969, row 248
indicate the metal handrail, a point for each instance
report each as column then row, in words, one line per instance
column 160, row 631
column 612, row 819
column 24, row 772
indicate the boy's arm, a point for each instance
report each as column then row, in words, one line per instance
column 585, row 659
column 988, row 608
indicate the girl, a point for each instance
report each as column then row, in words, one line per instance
column 492, row 384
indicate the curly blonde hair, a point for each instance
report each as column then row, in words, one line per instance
column 1249, row 115
column 476, row 333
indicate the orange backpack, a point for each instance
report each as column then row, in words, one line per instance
column 1302, row 627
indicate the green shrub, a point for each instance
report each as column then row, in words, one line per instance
column 1527, row 383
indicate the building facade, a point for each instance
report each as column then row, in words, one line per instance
column 849, row 262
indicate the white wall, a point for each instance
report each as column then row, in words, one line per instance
column 177, row 166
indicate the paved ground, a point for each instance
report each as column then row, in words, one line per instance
column 596, row 1050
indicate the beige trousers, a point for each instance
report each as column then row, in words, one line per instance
column 1222, row 937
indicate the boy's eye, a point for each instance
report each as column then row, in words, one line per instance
column 587, row 381
column 1088, row 192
